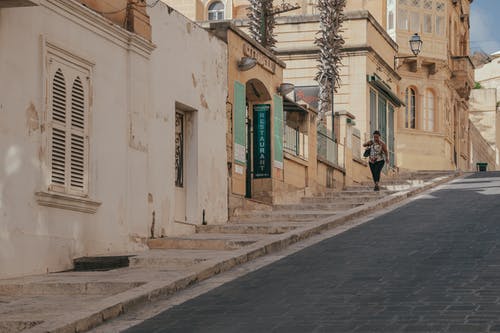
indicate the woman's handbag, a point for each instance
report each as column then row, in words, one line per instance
column 367, row 151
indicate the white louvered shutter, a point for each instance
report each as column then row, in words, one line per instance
column 69, row 138
column 58, row 140
column 78, row 147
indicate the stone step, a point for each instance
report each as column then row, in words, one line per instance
column 161, row 260
column 368, row 187
column 349, row 199
column 104, row 263
column 330, row 205
column 242, row 210
column 281, row 216
column 194, row 243
column 287, row 213
column 15, row 326
column 244, row 229
column 357, row 192
column 387, row 182
column 66, row 288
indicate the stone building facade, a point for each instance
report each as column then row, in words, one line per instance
column 108, row 135
column 433, row 128
column 427, row 101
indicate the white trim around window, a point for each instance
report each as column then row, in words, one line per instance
column 216, row 11
column 67, row 118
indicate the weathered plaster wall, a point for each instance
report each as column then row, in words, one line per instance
column 489, row 75
column 131, row 134
column 481, row 151
column 484, row 115
column 189, row 67
column 36, row 239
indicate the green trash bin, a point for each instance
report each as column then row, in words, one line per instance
column 481, row 166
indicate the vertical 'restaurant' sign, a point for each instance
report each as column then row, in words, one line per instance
column 262, row 141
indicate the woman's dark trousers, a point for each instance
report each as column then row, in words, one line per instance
column 376, row 168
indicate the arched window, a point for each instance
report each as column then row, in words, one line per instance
column 411, row 106
column 429, row 111
column 216, row 11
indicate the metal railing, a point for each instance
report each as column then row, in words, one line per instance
column 295, row 142
column 327, row 148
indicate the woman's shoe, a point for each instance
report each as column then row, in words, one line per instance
column 376, row 188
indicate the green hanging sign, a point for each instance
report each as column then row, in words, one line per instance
column 262, row 141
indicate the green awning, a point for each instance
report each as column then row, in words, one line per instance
column 385, row 90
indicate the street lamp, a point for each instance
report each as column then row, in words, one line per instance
column 415, row 47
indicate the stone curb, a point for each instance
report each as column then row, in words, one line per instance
column 113, row 306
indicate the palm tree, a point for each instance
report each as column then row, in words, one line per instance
column 262, row 22
column 330, row 42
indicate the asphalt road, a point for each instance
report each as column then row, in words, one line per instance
column 432, row 265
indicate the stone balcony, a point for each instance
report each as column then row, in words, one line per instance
column 462, row 75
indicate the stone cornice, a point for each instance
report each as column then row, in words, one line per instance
column 350, row 15
column 366, row 15
column 224, row 26
column 348, row 50
column 87, row 18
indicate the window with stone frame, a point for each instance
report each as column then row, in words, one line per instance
column 216, row 11
column 429, row 111
column 414, row 22
column 411, row 108
column 402, row 19
column 427, row 23
column 440, row 25
column 68, row 90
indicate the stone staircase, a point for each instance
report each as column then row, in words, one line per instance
column 257, row 221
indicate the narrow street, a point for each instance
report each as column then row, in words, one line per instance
column 432, row 265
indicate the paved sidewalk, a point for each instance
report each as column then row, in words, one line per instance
column 78, row 301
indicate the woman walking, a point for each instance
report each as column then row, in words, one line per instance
column 378, row 157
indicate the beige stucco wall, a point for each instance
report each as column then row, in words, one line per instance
column 489, row 75
column 447, row 146
column 131, row 133
column 484, row 108
column 418, row 149
column 485, row 116
column 483, row 112
column 271, row 82
column 295, row 41
column 192, row 75
column 480, row 150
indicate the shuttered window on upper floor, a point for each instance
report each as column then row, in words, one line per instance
column 68, row 93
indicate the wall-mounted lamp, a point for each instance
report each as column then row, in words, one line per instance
column 285, row 88
column 246, row 63
column 415, row 47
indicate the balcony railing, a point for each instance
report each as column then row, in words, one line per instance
column 327, row 148
column 295, row 142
